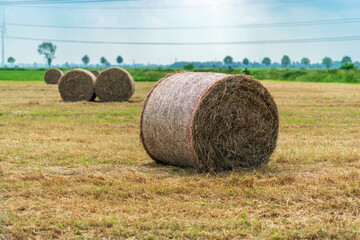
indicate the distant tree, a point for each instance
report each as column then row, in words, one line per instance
column 328, row 62
column 119, row 60
column 346, row 59
column 189, row 66
column 285, row 61
column 348, row 66
column 11, row 60
column 85, row 59
column 48, row 50
column 305, row 61
column 103, row 60
column 246, row 61
column 228, row 60
column 266, row 61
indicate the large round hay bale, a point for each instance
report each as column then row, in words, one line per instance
column 209, row 121
column 53, row 75
column 114, row 85
column 77, row 85
column 95, row 72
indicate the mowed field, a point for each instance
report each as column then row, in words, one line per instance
column 78, row 171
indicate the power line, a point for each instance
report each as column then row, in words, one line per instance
column 45, row 2
column 260, row 42
column 3, row 32
column 247, row 3
column 148, row 7
column 265, row 25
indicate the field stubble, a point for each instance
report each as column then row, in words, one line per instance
column 78, row 170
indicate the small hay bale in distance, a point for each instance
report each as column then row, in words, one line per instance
column 209, row 121
column 95, row 72
column 53, row 75
column 77, row 85
column 114, row 85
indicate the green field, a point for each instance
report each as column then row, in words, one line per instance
column 78, row 171
column 151, row 75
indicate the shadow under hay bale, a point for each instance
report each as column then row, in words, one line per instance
column 209, row 121
column 77, row 85
column 95, row 72
column 53, row 75
column 114, row 85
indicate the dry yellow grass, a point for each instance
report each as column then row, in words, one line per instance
column 77, row 170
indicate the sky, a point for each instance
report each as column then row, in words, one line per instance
column 181, row 13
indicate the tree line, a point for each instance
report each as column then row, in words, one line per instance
column 285, row 61
column 48, row 49
column 103, row 60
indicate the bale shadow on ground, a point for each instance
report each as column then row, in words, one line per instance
column 169, row 169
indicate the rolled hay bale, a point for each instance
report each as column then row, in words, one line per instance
column 114, row 85
column 53, row 75
column 209, row 121
column 77, row 85
column 95, row 72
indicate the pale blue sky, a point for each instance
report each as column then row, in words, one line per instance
column 210, row 12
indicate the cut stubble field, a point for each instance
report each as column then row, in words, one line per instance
column 78, row 170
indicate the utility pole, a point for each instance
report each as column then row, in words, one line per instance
column 2, row 58
column 3, row 30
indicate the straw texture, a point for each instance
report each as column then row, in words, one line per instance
column 209, row 121
column 114, row 85
column 77, row 85
column 53, row 75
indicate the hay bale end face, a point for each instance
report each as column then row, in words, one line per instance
column 95, row 72
column 209, row 121
column 114, row 85
column 77, row 85
column 53, row 75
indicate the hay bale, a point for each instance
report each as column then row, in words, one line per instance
column 114, row 85
column 77, row 85
column 95, row 72
column 53, row 75
column 209, row 121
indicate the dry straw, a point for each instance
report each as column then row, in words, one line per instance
column 114, row 84
column 209, row 121
column 95, row 72
column 77, row 85
column 53, row 75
